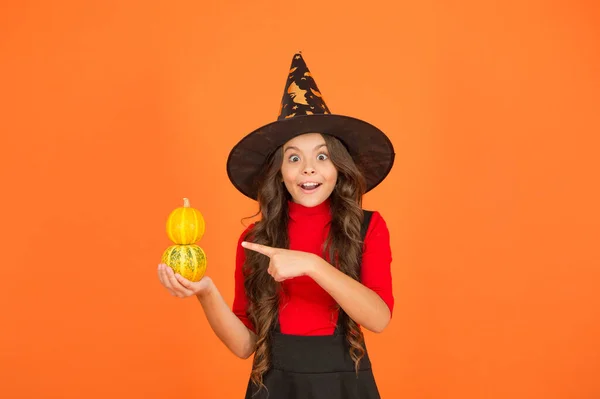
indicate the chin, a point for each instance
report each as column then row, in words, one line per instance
column 309, row 200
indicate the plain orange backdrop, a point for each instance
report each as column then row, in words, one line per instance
column 112, row 112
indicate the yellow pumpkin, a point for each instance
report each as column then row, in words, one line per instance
column 187, row 260
column 185, row 225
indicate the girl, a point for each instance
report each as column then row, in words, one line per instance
column 316, row 267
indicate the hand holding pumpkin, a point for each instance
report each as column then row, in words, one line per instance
column 183, row 265
column 181, row 287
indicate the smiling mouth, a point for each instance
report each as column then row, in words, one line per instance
column 309, row 186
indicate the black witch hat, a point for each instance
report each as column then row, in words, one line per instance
column 303, row 110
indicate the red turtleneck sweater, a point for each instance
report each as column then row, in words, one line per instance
column 306, row 308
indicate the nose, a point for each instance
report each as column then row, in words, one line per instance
column 308, row 170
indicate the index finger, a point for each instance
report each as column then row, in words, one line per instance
column 263, row 249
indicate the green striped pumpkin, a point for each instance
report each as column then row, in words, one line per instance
column 187, row 260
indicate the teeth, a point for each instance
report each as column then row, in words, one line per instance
column 310, row 184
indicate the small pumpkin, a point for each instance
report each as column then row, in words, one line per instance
column 185, row 225
column 188, row 260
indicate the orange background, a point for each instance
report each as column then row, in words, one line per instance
column 112, row 112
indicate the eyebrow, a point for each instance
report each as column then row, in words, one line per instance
column 297, row 149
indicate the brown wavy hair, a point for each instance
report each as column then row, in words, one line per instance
column 343, row 245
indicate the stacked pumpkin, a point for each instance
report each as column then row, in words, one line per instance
column 185, row 227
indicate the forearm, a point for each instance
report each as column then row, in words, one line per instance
column 226, row 325
column 361, row 303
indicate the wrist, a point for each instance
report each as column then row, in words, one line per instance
column 207, row 291
column 315, row 266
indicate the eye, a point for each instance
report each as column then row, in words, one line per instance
column 322, row 157
column 294, row 158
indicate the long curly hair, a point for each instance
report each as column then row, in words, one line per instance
column 343, row 247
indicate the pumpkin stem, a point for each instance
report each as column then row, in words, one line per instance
column 186, row 203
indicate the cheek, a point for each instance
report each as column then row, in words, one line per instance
column 332, row 174
column 287, row 175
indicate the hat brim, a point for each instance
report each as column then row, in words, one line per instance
column 370, row 148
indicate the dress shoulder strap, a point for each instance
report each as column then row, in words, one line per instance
column 365, row 224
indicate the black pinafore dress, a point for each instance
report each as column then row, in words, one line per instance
column 315, row 367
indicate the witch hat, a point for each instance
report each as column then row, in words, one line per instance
column 303, row 110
